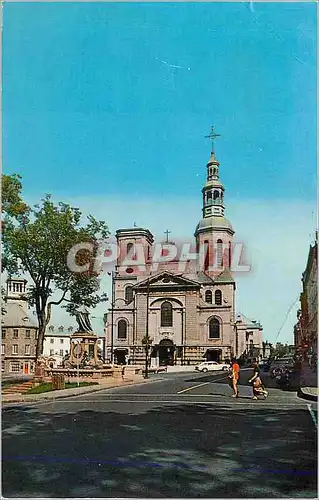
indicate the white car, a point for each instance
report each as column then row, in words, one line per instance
column 208, row 366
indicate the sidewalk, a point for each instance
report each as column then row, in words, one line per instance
column 66, row 393
column 308, row 383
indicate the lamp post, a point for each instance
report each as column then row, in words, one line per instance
column 146, row 340
column 112, row 315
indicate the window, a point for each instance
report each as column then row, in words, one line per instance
column 51, row 352
column 61, row 352
column 51, row 341
column 3, row 348
column 219, row 254
column 128, row 294
column 166, row 314
column 61, row 341
column 218, row 298
column 209, row 297
column 122, row 329
column 15, row 349
column 129, row 251
column 27, row 334
column 214, row 329
column 14, row 366
column 3, row 332
column 209, row 198
column 206, row 254
column 216, row 195
column 27, row 350
column 15, row 333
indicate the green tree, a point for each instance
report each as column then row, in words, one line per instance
column 12, row 203
column 38, row 242
column 280, row 350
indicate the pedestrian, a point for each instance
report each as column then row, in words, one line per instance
column 234, row 377
column 258, row 387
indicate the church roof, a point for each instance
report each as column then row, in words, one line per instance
column 204, row 278
column 224, row 277
column 249, row 323
column 16, row 316
column 167, row 279
column 213, row 223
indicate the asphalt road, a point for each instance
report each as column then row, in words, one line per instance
column 178, row 435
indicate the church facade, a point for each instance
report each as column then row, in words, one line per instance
column 183, row 301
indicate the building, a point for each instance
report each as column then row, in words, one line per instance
column 19, row 331
column 249, row 337
column 184, row 306
column 57, row 342
column 306, row 329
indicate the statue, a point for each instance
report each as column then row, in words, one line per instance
column 83, row 320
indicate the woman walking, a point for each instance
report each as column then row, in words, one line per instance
column 258, row 387
column 234, row 377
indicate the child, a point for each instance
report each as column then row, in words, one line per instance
column 258, row 388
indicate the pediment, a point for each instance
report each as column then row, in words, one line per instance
column 167, row 280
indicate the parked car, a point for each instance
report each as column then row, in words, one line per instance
column 208, row 366
column 278, row 364
column 265, row 364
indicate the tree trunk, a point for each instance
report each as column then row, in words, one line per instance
column 39, row 348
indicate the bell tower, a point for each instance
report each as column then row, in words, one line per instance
column 214, row 233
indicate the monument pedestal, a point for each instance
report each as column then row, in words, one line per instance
column 83, row 346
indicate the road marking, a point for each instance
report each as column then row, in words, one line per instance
column 312, row 414
column 204, row 383
column 193, row 387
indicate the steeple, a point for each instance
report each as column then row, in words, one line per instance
column 213, row 196
column 213, row 190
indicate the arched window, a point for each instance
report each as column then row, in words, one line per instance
column 130, row 251
column 219, row 253
column 206, row 255
column 208, row 297
column 128, row 294
column 122, row 329
column 214, row 329
column 209, row 197
column 218, row 298
column 166, row 314
column 216, row 195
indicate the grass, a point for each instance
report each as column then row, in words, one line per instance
column 47, row 387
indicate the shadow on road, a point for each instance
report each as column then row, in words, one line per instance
column 176, row 451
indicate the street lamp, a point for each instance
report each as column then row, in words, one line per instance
column 146, row 341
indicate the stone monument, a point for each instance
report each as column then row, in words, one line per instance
column 84, row 346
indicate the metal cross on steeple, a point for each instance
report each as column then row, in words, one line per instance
column 212, row 136
column 167, row 232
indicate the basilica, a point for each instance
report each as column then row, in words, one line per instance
column 183, row 307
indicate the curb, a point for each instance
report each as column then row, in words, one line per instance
column 306, row 395
column 48, row 396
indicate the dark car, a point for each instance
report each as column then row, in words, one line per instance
column 279, row 363
column 264, row 364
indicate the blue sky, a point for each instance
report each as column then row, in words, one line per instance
column 108, row 105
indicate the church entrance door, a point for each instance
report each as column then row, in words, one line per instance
column 166, row 349
column 213, row 355
column 120, row 356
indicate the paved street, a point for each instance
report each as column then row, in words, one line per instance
column 178, row 435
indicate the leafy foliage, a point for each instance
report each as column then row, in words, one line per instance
column 38, row 242
column 12, row 203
